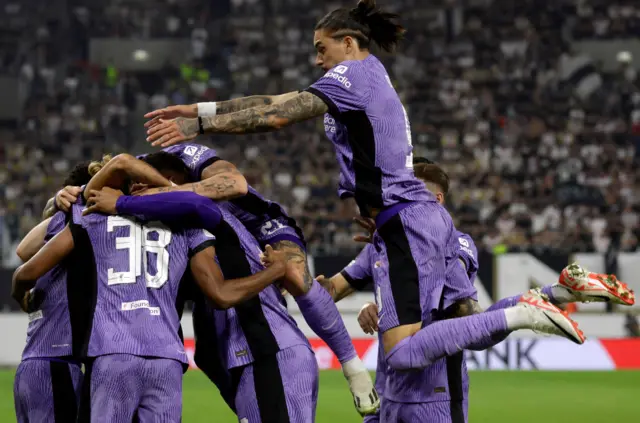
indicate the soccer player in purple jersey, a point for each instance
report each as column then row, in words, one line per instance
column 267, row 221
column 269, row 224
column 407, row 397
column 136, row 357
column 270, row 361
column 49, row 377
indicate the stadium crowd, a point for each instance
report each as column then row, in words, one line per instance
column 533, row 162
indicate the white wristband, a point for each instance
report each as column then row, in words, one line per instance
column 207, row 109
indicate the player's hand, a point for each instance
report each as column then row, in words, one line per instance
column 368, row 318
column 271, row 257
column 103, row 201
column 32, row 300
column 66, row 197
column 171, row 112
column 368, row 225
column 169, row 132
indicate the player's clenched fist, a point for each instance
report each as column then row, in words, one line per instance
column 169, row 132
column 368, row 318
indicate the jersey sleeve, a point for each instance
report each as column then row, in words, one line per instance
column 358, row 272
column 467, row 252
column 185, row 209
column 344, row 88
column 56, row 224
column 198, row 240
column 197, row 157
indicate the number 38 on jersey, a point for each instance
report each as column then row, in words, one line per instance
column 139, row 244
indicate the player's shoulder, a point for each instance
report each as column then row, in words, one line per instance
column 347, row 69
column 466, row 242
column 188, row 149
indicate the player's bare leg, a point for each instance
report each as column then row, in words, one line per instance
column 321, row 314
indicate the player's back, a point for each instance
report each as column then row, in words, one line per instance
column 137, row 272
column 49, row 331
column 260, row 326
column 266, row 220
column 371, row 133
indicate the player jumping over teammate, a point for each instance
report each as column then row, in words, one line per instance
column 460, row 299
column 415, row 239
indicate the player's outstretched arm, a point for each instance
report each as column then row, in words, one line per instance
column 227, row 293
column 337, row 286
column 33, row 241
column 354, row 277
column 302, row 106
column 121, row 168
column 221, row 181
column 25, row 276
column 183, row 208
column 215, row 108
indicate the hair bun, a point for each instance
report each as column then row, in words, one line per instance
column 365, row 7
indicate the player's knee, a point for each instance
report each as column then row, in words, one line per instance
column 403, row 357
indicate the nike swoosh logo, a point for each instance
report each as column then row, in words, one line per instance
column 330, row 326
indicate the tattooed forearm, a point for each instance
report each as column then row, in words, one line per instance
column 327, row 284
column 462, row 308
column 260, row 119
column 295, row 255
column 231, row 106
column 219, row 187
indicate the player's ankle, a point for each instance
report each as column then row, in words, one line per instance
column 517, row 318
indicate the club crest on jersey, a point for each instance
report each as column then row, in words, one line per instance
column 190, row 150
column 341, row 69
column 463, row 242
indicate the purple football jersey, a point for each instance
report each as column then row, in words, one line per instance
column 261, row 325
column 459, row 283
column 49, row 330
column 468, row 253
column 138, row 269
column 359, row 272
column 370, row 131
column 266, row 220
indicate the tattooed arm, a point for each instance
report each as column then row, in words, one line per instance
column 224, row 182
column 298, row 258
column 235, row 105
column 302, row 107
column 221, row 107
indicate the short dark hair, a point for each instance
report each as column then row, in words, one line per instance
column 163, row 161
column 433, row 173
column 78, row 176
column 419, row 160
column 365, row 23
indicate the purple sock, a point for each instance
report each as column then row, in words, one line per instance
column 444, row 338
column 505, row 303
column 500, row 336
column 322, row 316
column 548, row 290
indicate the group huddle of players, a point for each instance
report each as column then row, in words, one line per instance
column 130, row 239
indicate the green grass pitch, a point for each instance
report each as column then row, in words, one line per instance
column 496, row 397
